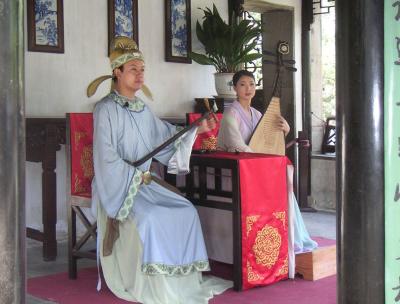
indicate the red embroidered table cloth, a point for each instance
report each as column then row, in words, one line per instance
column 264, row 217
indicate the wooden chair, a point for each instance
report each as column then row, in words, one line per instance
column 79, row 149
column 329, row 140
column 204, row 142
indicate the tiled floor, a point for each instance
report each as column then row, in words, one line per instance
column 320, row 224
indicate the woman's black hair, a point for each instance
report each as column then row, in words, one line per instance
column 239, row 74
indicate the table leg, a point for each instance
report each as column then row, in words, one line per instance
column 49, row 196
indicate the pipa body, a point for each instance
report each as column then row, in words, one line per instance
column 267, row 138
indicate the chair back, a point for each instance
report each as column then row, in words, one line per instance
column 207, row 140
column 80, row 152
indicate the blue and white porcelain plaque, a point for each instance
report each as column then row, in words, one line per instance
column 179, row 28
column 46, row 22
column 123, row 18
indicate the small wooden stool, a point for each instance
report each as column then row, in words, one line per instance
column 317, row 264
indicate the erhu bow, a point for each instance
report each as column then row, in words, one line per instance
column 211, row 112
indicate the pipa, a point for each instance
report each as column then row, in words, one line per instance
column 267, row 138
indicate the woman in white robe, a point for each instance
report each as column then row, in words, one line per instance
column 237, row 126
column 158, row 252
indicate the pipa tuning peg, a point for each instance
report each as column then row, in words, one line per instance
column 290, row 61
column 291, row 69
column 283, row 47
column 265, row 52
column 269, row 61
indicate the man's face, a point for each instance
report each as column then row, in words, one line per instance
column 132, row 75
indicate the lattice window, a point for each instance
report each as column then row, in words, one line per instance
column 255, row 66
column 323, row 6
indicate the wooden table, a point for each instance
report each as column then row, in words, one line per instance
column 43, row 139
column 267, row 207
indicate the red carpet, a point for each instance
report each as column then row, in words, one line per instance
column 58, row 288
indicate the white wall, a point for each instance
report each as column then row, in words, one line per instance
column 56, row 83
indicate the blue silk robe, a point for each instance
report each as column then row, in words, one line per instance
column 167, row 225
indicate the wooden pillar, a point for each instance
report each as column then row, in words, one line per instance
column 306, row 21
column 360, row 142
column 12, row 154
column 304, row 188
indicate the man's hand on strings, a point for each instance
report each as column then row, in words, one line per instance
column 283, row 125
column 206, row 125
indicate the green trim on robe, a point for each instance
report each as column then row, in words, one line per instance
column 171, row 270
column 135, row 104
column 128, row 202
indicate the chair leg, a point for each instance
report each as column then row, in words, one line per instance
column 72, row 269
column 72, row 261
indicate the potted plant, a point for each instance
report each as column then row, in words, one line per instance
column 227, row 47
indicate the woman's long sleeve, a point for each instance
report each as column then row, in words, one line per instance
column 229, row 136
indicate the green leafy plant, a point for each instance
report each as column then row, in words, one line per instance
column 226, row 45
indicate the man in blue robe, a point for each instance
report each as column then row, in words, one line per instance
column 156, row 252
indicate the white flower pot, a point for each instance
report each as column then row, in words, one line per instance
column 224, row 85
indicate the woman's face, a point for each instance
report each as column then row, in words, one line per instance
column 245, row 88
